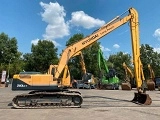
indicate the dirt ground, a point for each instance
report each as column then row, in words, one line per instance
column 97, row 104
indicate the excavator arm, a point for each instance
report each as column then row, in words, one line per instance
column 132, row 18
column 100, row 57
column 152, row 75
column 128, row 76
column 81, row 61
column 128, row 70
column 151, row 80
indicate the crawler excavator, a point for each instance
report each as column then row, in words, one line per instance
column 108, row 79
column 129, row 78
column 55, row 95
column 87, row 81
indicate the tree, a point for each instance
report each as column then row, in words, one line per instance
column 148, row 56
column 74, row 63
column 89, row 53
column 91, row 58
column 28, row 62
column 9, row 54
column 43, row 54
column 74, row 38
column 116, row 61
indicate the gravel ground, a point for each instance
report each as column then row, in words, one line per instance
column 97, row 104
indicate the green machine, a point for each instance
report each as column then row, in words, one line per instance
column 108, row 79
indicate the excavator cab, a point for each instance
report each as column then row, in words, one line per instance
column 112, row 73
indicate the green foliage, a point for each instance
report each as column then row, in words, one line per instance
column 9, row 55
column 43, row 54
column 74, row 63
column 89, row 53
column 148, row 56
column 8, row 48
column 28, row 62
column 74, row 38
column 91, row 60
column 116, row 61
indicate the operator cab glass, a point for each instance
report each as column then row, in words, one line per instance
column 53, row 71
column 112, row 72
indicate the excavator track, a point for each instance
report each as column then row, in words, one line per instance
column 69, row 99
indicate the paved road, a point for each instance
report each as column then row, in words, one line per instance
column 98, row 104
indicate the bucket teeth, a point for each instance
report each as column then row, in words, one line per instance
column 142, row 98
column 126, row 86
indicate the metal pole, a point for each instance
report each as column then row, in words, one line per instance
column 8, row 68
column 7, row 80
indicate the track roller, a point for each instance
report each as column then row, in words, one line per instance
column 77, row 100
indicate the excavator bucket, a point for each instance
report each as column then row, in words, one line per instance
column 126, row 86
column 151, row 85
column 142, row 98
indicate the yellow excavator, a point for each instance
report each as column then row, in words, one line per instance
column 151, row 80
column 55, row 95
column 87, row 81
column 129, row 78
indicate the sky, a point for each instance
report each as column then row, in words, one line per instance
column 58, row 20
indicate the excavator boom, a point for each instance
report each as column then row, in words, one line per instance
column 101, row 32
column 100, row 57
